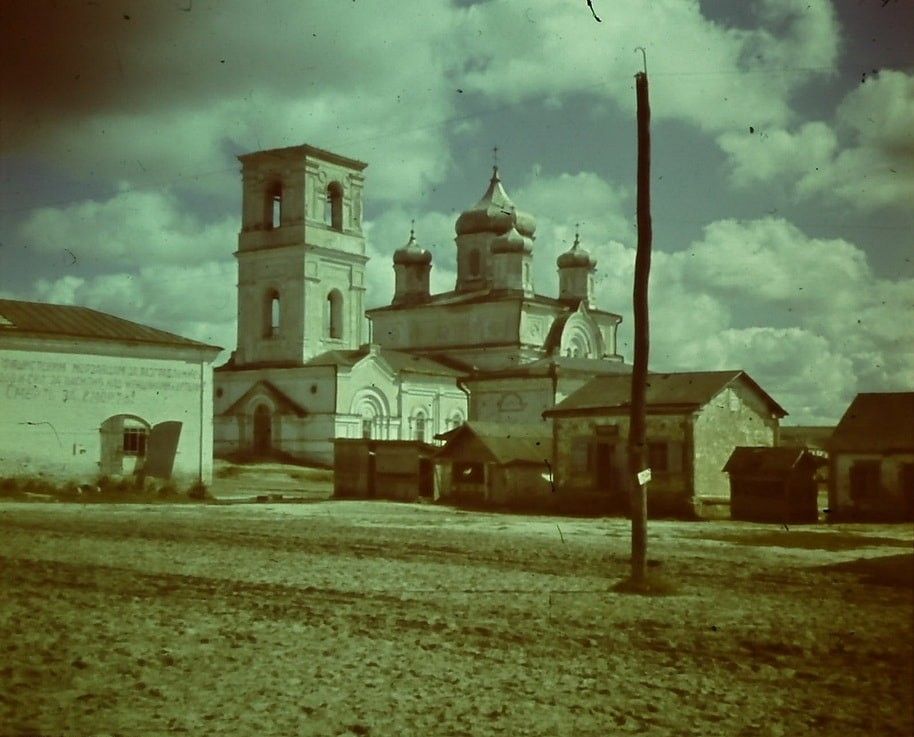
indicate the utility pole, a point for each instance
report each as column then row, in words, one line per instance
column 637, row 466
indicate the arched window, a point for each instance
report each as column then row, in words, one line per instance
column 526, row 274
column 273, row 206
column 419, row 427
column 333, row 320
column 474, row 263
column 271, row 314
column 333, row 210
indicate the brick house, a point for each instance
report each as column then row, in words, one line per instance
column 871, row 458
column 694, row 422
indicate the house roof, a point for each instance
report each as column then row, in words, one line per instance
column 779, row 461
column 397, row 360
column 876, row 422
column 72, row 321
column 806, row 436
column 508, row 443
column 685, row 391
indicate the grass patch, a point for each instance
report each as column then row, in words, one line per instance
column 653, row 585
column 896, row 571
column 807, row 540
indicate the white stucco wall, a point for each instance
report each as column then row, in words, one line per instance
column 55, row 395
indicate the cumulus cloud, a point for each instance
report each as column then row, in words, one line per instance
column 172, row 96
column 875, row 167
column 196, row 301
column 128, row 228
column 712, row 90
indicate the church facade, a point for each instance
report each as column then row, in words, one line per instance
column 303, row 373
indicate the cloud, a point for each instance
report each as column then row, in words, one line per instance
column 196, row 301
column 149, row 94
column 130, row 227
column 737, row 70
column 873, row 169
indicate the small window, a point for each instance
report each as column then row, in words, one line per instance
column 333, row 210
column 366, row 429
column 419, row 431
column 135, row 441
column 474, row 262
column 658, row 457
column 334, row 318
column 582, row 455
column 467, row 473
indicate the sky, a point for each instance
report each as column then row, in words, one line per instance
column 782, row 159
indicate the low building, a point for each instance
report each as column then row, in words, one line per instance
column 87, row 394
column 773, row 485
column 383, row 469
column 871, row 459
column 496, row 464
column 694, row 421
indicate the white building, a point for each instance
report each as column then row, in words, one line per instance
column 86, row 394
column 303, row 373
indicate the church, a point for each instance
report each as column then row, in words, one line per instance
column 303, row 373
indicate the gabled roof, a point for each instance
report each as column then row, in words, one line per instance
column 72, row 321
column 769, row 462
column 283, row 401
column 876, row 422
column 399, row 361
column 682, row 391
column 507, row 443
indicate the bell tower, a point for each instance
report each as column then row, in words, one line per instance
column 301, row 256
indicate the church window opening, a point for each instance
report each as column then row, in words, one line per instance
column 474, row 263
column 274, row 205
column 333, row 210
column 526, row 274
column 419, row 428
column 271, row 314
column 366, row 429
column 334, row 316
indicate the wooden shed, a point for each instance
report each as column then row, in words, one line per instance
column 382, row 469
column 773, row 484
column 496, row 463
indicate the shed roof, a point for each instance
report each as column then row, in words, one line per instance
column 764, row 461
column 876, row 422
column 684, row 390
column 508, row 443
column 72, row 321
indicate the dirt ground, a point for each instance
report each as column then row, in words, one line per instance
column 329, row 618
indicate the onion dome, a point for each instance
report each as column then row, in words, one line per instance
column 412, row 253
column 576, row 256
column 495, row 213
column 511, row 242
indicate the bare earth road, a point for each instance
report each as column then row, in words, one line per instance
column 384, row 619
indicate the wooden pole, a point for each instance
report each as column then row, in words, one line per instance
column 636, row 435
